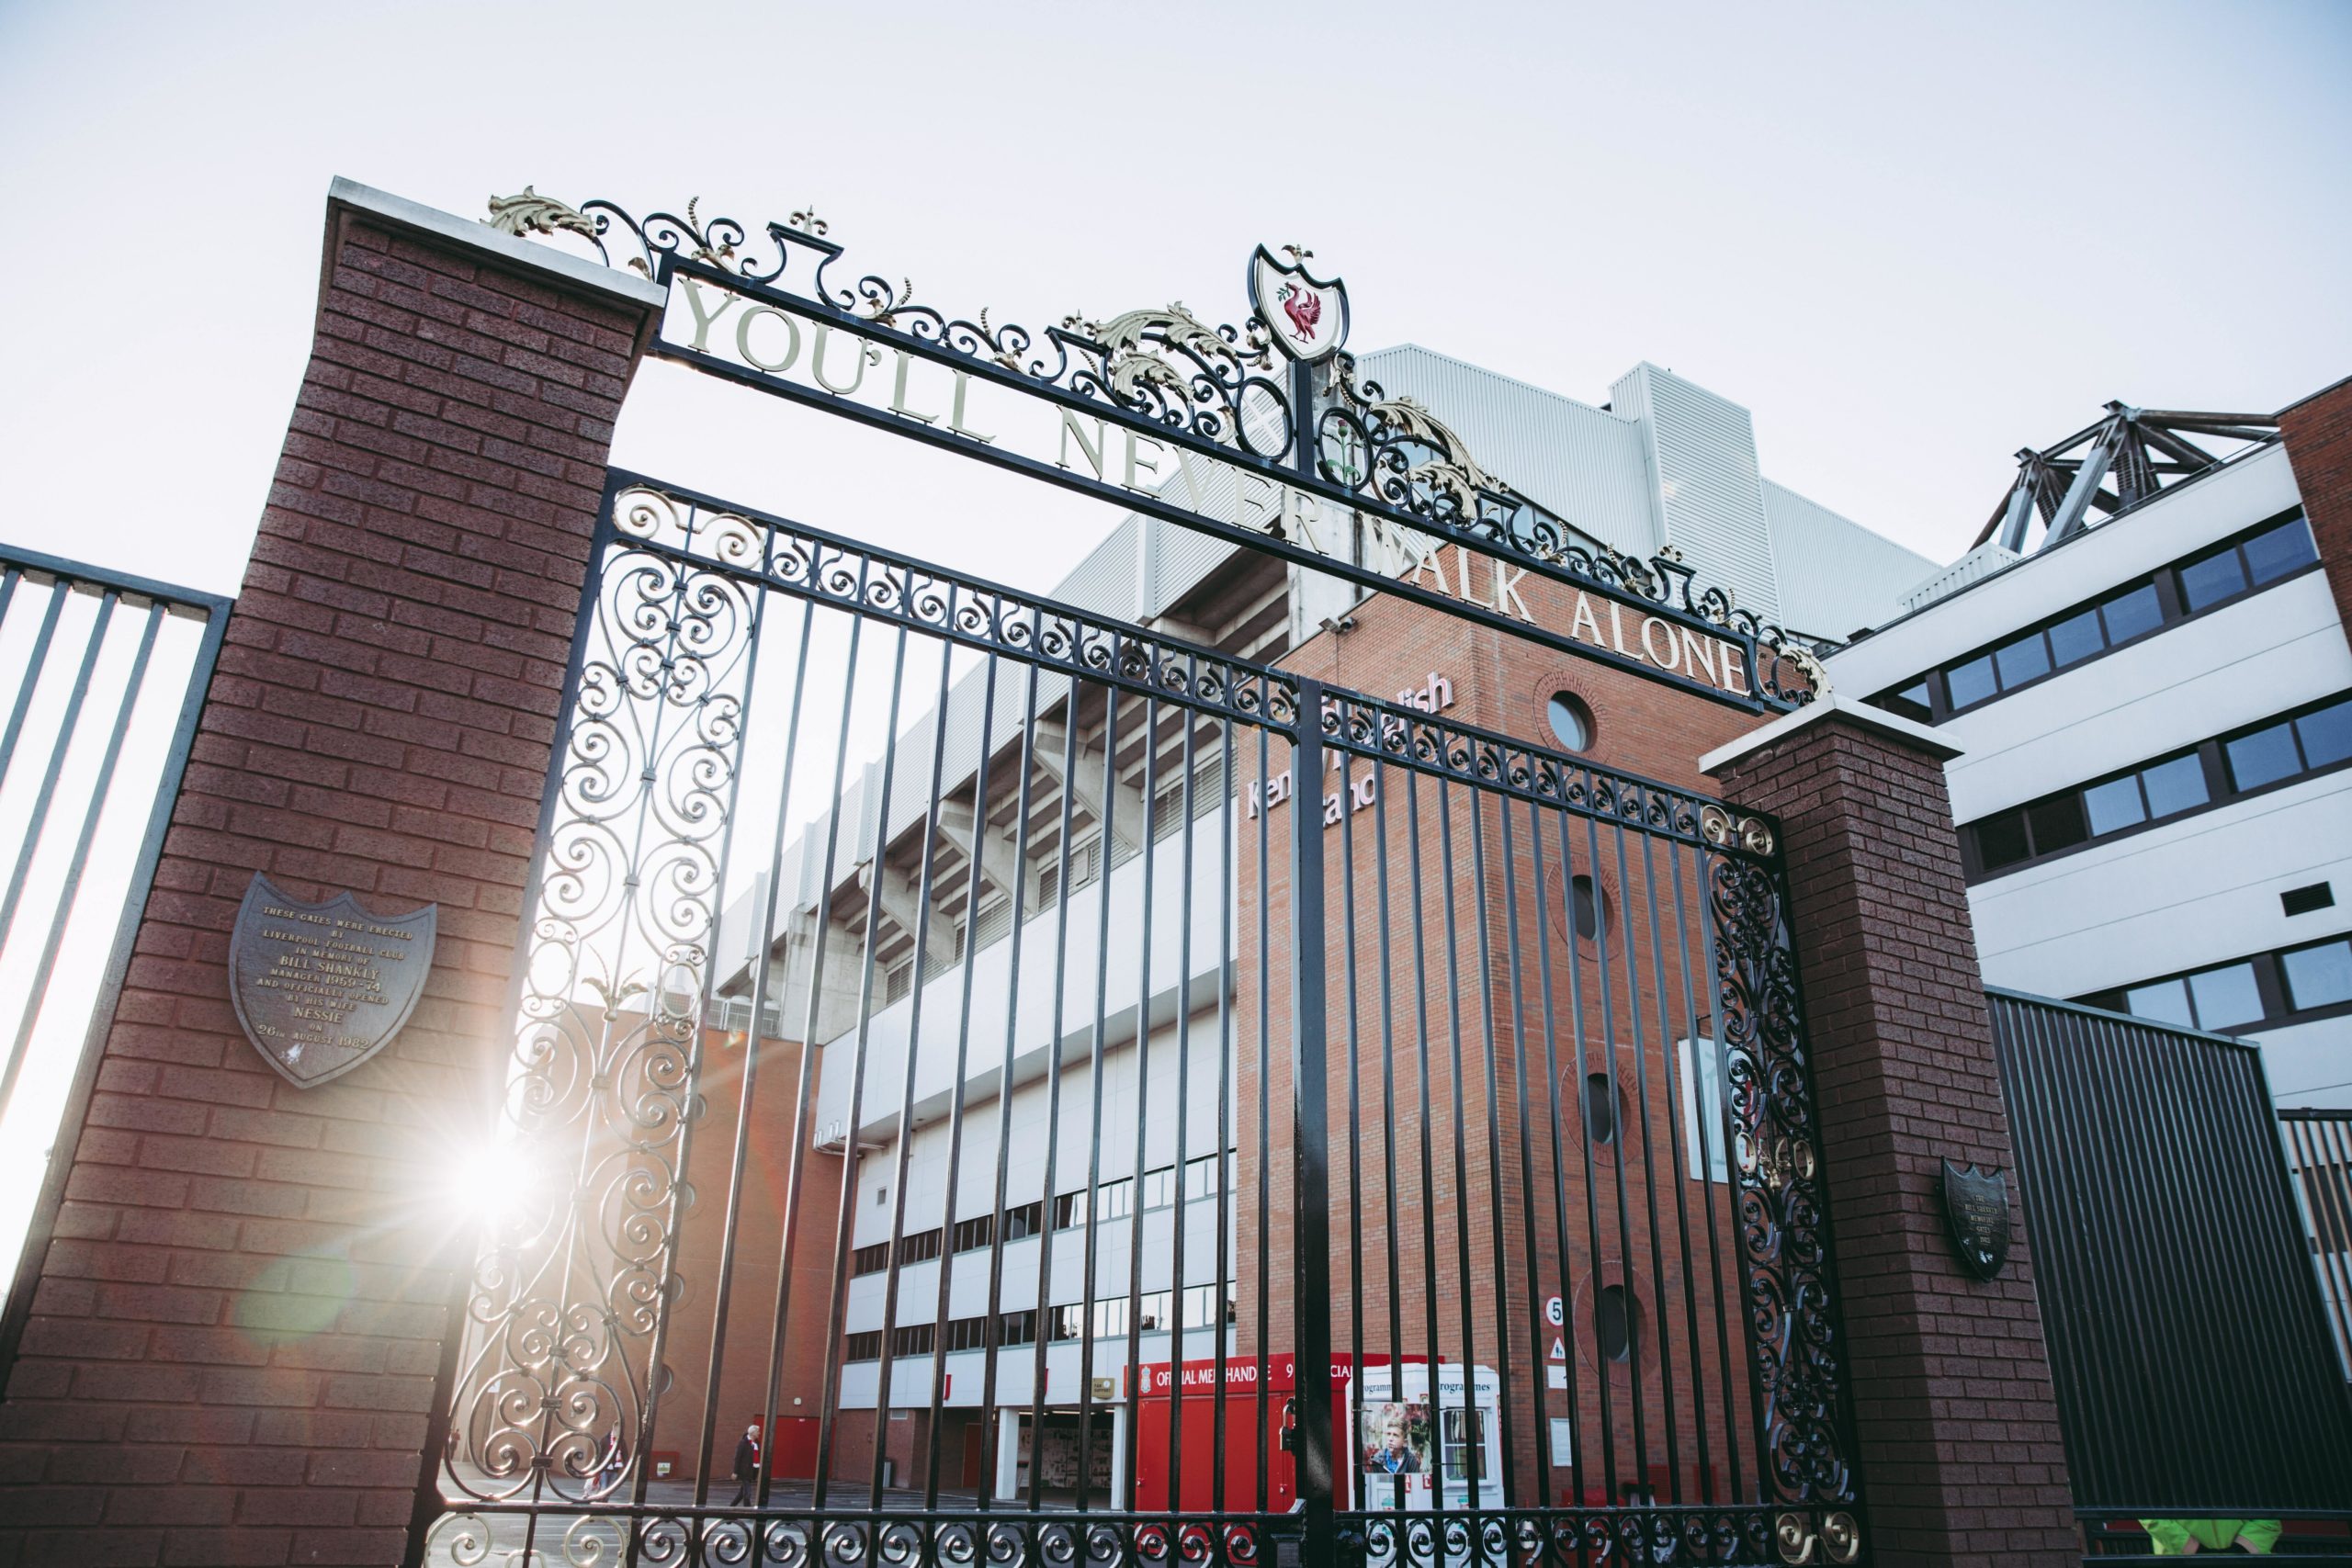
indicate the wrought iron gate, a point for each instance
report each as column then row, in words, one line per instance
column 1074, row 1150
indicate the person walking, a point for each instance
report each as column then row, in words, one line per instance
column 747, row 1466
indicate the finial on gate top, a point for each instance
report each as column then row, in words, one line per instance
column 806, row 220
column 1297, row 254
column 531, row 213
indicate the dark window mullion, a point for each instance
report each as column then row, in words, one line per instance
column 2218, row 784
column 2271, row 984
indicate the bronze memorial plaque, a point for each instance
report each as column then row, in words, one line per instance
column 321, row 987
column 1976, row 1206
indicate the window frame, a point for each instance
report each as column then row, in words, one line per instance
column 2221, row 789
column 2172, row 609
column 2271, row 984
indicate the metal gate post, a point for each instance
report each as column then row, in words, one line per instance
column 1310, row 1133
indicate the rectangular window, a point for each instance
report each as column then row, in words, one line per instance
column 1464, row 1429
column 2264, row 757
column 2115, row 805
column 2226, row 997
column 1706, row 1146
column 2272, row 555
column 2318, row 977
column 2175, row 786
column 2001, row 840
column 1911, row 702
column 2133, row 613
column 870, row 1259
column 919, row 1248
column 2211, row 579
column 1025, row 1220
column 1112, row 1201
column 2167, row 1001
column 864, row 1346
column 1160, row 1188
column 1971, row 682
column 974, row 1234
column 1201, row 1177
column 913, row 1340
column 2076, row 636
column 2028, row 659
column 2326, row 735
column 2057, row 823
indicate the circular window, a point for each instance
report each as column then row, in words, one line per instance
column 1585, row 907
column 1571, row 720
column 1600, row 1108
column 1615, row 1311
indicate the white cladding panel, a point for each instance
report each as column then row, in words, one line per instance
column 1586, row 465
column 2170, row 527
column 2269, row 652
column 1079, row 960
column 1711, row 495
column 2309, row 1064
column 2201, row 890
column 1834, row 576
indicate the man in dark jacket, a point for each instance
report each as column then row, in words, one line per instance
column 747, row 1466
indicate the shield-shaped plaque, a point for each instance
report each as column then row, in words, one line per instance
column 1307, row 315
column 1976, row 1205
column 321, row 987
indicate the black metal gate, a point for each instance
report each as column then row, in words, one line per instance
column 1071, row 1150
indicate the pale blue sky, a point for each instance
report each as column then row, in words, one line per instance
column 1910, row 238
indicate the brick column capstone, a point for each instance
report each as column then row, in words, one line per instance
column 238, row 1308
column 1960, row 1450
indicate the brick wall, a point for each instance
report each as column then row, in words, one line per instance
column 1465, row 1255
column 2319, row 446
column 1961, row 1455
column 232, row 1345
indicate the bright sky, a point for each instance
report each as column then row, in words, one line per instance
column 1912, row 239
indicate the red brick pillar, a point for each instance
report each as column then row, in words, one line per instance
column 2319, row 447
column 241, row 1300
column 1960, row 1461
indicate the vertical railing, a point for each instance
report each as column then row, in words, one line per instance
column 2319, row 1150
column 102, row 677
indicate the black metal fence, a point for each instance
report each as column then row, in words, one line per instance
column 2319, row 1150
column 102, row 675
column 2196, row 1374
column 1150, row 1105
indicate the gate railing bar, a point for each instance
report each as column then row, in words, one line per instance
column 1636, row 1323
column 67, row 728
column 1466, row 1292
column 65, row 577
column 1228, row 1284
column 923, row 891
column 1393, row 1280
column 1559, row 1163
column 1178, row 1290
column 852, row 1155
column 991, row 1315
column 1678, row 1170
column 1311, row 1230
column 1422, row 1122
column 1025, row 801
column 1106, row 836
column 2321, row 1157
column 1543, row 1427
column 1263, row 1320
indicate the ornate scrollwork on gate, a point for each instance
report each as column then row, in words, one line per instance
column 570, row 1290
column 1782, row 1218
column 1215, row 387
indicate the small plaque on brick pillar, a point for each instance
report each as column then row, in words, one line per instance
column 321, row 987
column 1976, row 1204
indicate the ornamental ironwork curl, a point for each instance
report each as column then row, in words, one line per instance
column 567, row 1294
column 1678, row 1536
column 598, row 1538
column 1217, row 388
column 1779, row 1207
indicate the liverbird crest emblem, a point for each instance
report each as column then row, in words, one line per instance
column 1306, row 314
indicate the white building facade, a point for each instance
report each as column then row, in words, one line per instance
column 2154, row 784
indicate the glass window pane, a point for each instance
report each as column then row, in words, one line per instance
column 2175, row 786
column 2273, row 555
column 2225, row 997
column 2077, row 637
column 1972, row 681
column 2023, row 660
column 1911, row 702
column 2167, row 1001
column 2264, row 756
column 2057, row 824
column 2115, row 804
column 2131, row 614
column 2327, row 735
column 2318, row 977
column 2000, row 840
column 2213, row 578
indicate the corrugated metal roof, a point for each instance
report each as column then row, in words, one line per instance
column 1710, row 493
column 1585, row 465
column 1836, row 575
